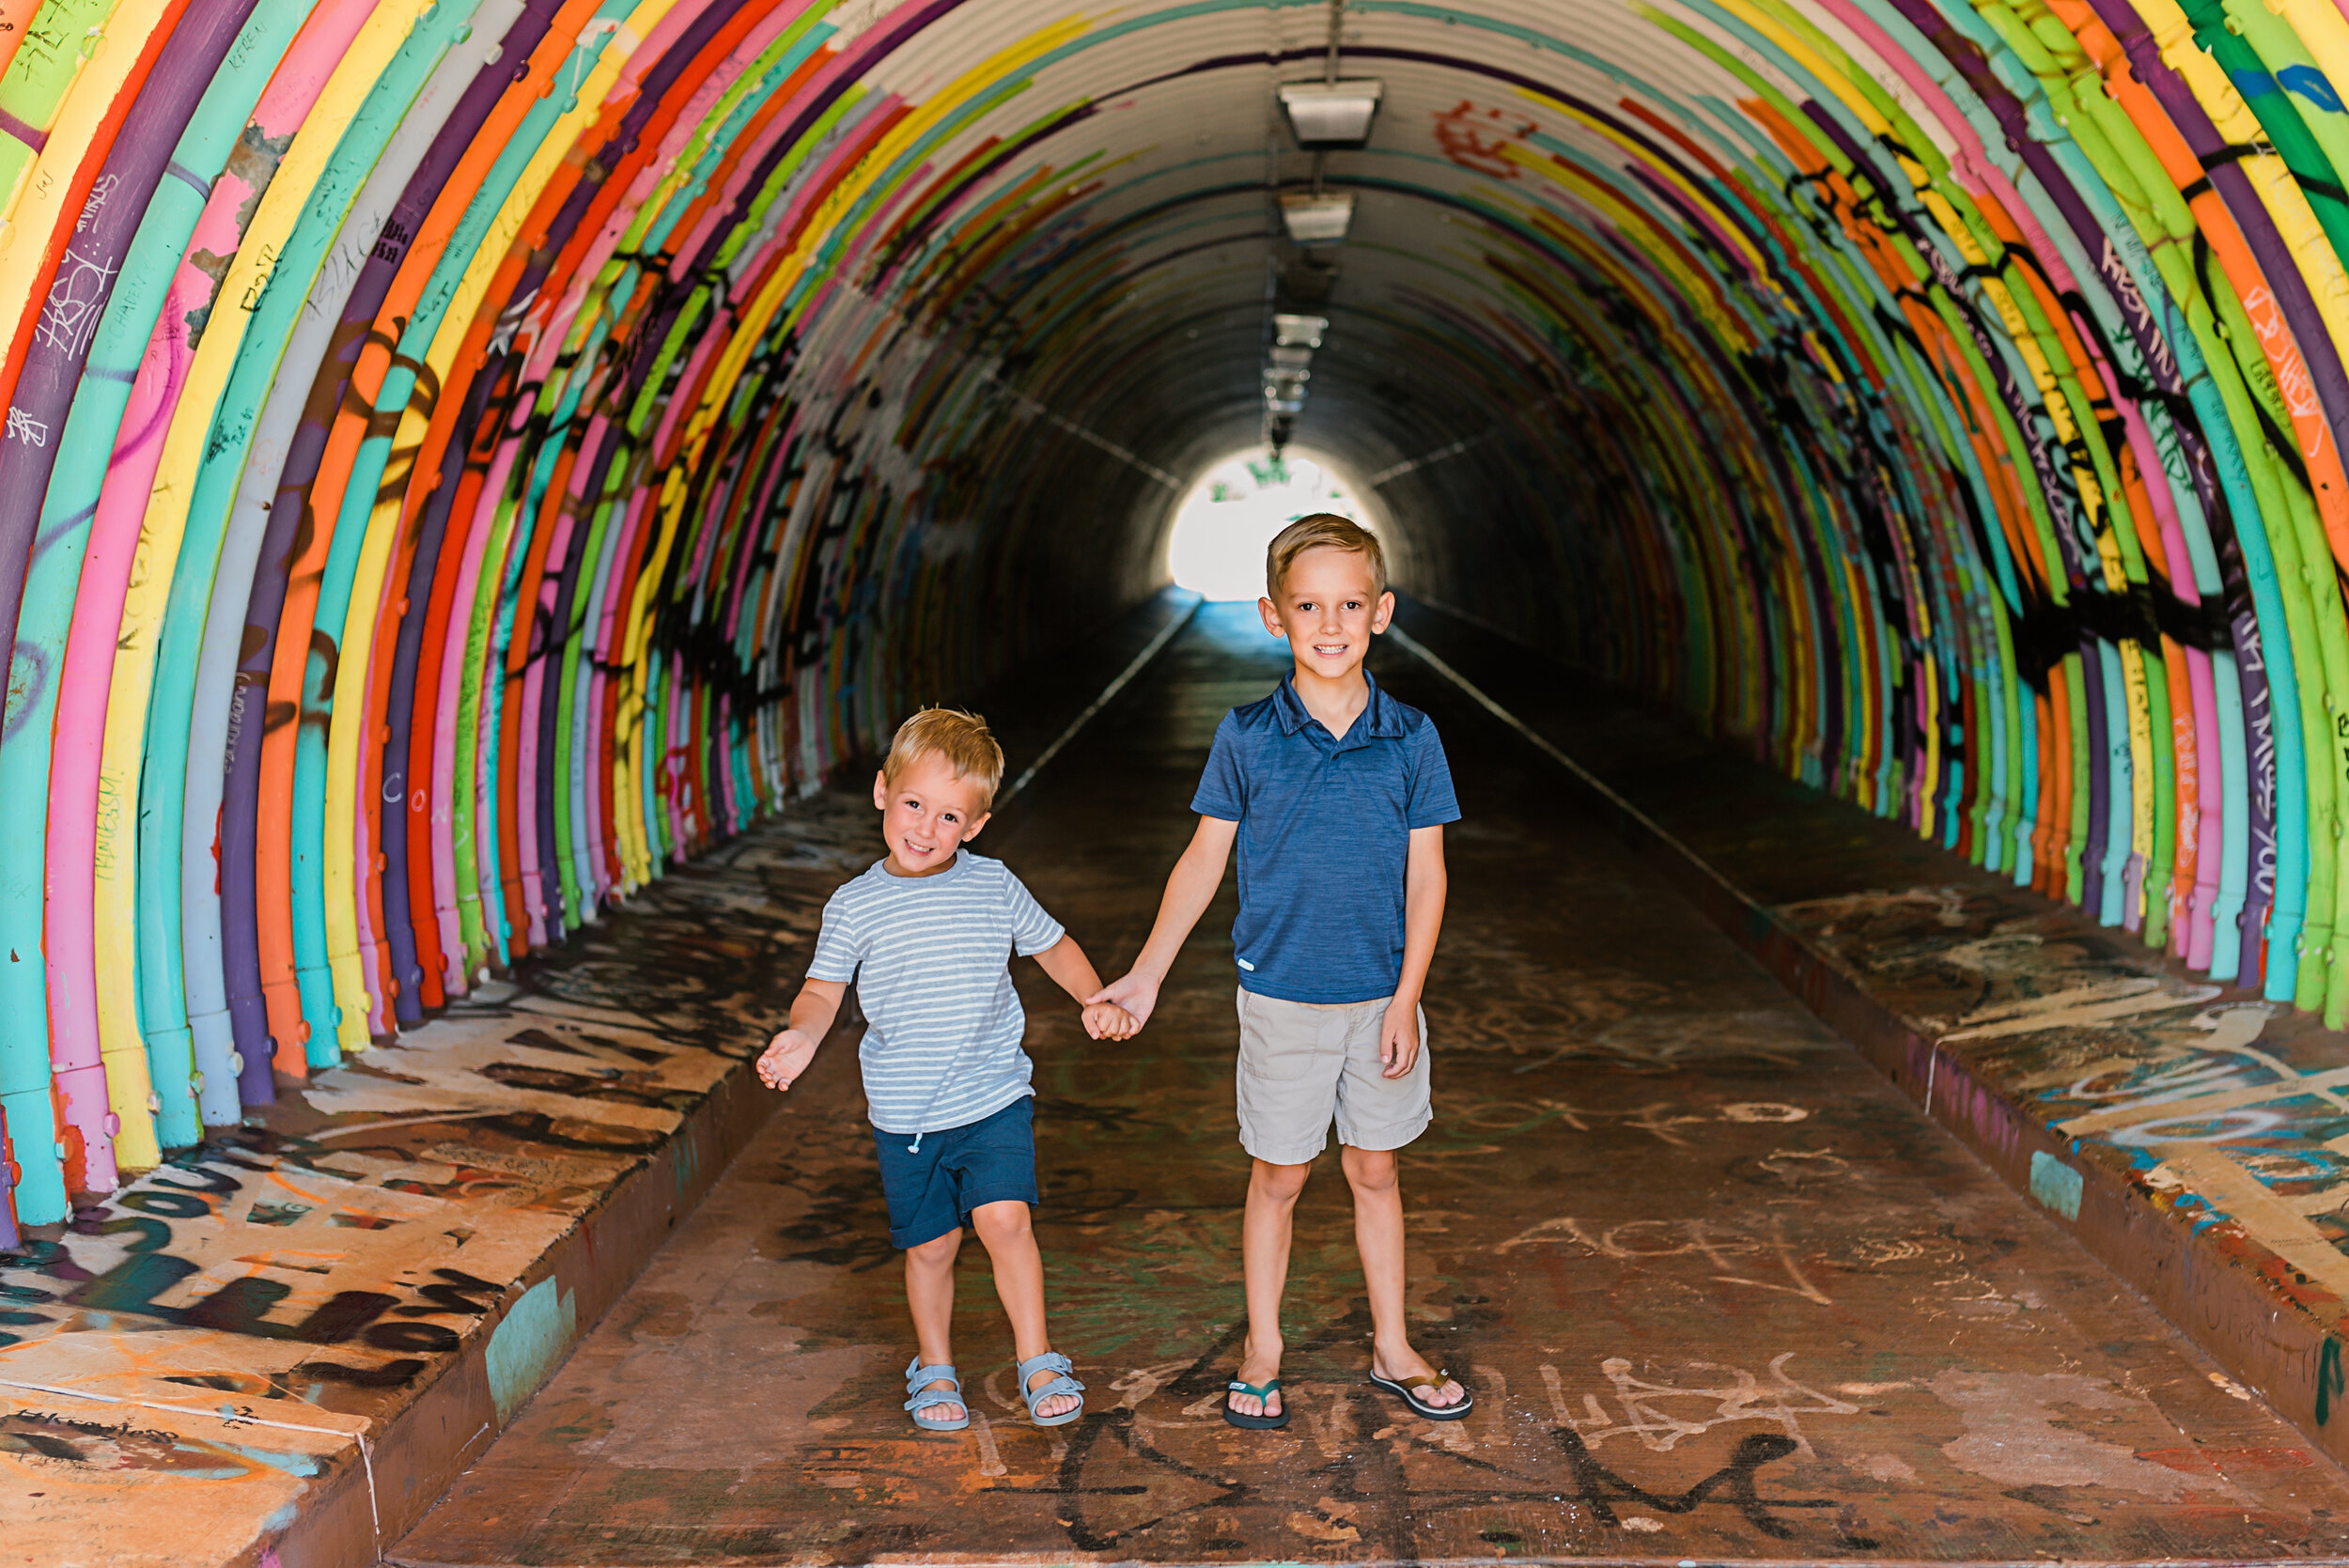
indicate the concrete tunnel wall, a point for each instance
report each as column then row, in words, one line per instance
column 461, row 458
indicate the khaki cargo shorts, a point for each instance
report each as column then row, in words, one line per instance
column 1302, row 1062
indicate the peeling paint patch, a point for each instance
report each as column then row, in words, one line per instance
column 293, row 1464
column 2055, row 1184
column 526, row 1344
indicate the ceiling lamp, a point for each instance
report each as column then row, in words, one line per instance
column 1317, row 220
column 1329, row 116
column 1304, row 330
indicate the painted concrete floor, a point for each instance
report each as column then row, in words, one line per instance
column 1723, row 1294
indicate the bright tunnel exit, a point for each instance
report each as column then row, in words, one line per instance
column 1216, row 545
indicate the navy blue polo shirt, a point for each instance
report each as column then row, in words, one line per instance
column 1325, row 830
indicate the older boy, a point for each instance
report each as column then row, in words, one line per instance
column 926, row 934
column 1336, row 795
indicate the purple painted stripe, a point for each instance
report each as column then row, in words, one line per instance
column 402, row 928
column 32, row 136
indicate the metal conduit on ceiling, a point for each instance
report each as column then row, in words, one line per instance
column 462, row 456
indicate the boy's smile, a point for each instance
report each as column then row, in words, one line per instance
column 927, row 813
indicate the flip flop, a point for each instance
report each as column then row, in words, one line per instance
column 1255, row 1423
column 1401, row 1388
column 918, row 1381
column 1051, row 1360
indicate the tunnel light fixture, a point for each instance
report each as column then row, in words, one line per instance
column 1327, row 116
column 1299, row 330
column 1317, row 220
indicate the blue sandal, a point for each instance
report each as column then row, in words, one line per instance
column 918, row 1378
column 1051, row 1360
column 1264, row 1395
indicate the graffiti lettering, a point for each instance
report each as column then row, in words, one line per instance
column 1480, row 139
column 1599, row 1489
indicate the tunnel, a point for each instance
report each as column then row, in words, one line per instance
column 467, row 463
column 619, row 414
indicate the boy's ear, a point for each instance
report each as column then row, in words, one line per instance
column 1383, row 613
column 1271, row 614
column 880, row 789
column 973, row 831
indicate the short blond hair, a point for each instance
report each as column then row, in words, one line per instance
column 962, row 738
column 1322, row 530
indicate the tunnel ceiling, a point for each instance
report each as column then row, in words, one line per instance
column 459, row 457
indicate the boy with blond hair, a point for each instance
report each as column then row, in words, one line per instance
column 926, row 933
column 1336, row 795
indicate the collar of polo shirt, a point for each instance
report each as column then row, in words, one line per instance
column 1377, row 720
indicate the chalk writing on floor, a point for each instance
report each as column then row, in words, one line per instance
column 1660, row 1415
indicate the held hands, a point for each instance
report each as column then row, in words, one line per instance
column 785, row 1058
column 1135, row 995
column 1398, row 1038
column 1106, row 1020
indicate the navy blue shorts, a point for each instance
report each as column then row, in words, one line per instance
column 932, row 1191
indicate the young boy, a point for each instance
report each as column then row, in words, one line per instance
column 928, row 933
column 1336, row 795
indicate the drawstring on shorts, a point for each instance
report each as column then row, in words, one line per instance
column 915, row 1147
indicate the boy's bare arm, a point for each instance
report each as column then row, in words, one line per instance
column 1073, row 973
column 1424, row 885
column 812, row 1014
column 1189, row 888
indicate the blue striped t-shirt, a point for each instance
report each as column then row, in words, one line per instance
column 931, row 958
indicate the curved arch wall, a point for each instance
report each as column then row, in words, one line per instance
column 459, row 457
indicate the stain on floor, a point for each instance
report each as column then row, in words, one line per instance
column 1723, row 1293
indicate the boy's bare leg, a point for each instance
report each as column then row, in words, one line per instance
column 1265, row 1230
column 1377, row 1185
column 930, row 1296
column 1006, row 1230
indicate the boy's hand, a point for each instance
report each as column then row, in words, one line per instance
column 1106, row 1020
column 1398, row 1038
column 785, row 1058
column 1135, row 993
